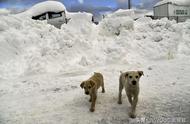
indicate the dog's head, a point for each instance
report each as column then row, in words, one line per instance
column 87, row 86
column 133, row 77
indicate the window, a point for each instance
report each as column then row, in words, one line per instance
column 186, row 12
column 181, row 12
column 54, row 15
column 40, row 17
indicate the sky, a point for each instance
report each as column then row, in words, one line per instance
column 93, row 6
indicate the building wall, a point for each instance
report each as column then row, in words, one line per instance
column 161, row 10
column 175, row 10
column 172, row 11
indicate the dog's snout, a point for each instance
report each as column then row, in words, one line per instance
column 134, row 82
column 86, row 92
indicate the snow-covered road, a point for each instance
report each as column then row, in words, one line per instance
column 58, row 98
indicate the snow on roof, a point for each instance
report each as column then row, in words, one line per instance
column 140, row 13
column 150, row 13
column 47, row 6
column 133, row 13
column 122, row 12
column 178, row 2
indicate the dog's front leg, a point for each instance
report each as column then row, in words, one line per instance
column 90, row 100
column 120, row 93
column 129, row 98
column 133, row 107
column 94, row 96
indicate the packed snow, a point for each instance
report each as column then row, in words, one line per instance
column 41, row 68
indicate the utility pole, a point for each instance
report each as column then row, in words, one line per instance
column 129, row 4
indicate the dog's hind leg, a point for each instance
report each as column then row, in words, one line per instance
column 120, row 92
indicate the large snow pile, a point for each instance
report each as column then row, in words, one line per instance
column 178, row 2
column 29, row 46
column 79, row 23
column 184, row 45
column 114, row 23
column 165, row 37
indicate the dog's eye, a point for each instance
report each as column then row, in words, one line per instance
column 137, row 76
column 89, row 87
column 130, row 76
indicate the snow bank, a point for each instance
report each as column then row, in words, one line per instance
column 178, row 2
column 41, row 47
column 114, row 26
column 161, row 38
column 32, row 47
column 184, row 46
column 115, row 23
column 79, row 23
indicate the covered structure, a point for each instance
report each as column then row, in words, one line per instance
column 172, row 9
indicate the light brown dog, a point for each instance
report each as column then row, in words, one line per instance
column 91, row 87
column 130, row 81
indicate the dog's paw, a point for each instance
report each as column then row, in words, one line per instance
column 92, row 109
column 119, row 102
column 132, row 115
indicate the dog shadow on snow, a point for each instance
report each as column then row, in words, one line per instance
column 107, row 109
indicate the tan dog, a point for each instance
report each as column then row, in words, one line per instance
column 130, row 81
column 91, row 87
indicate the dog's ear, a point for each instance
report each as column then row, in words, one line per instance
column 92, row 83
column 126, row 74
column 82, row 85
column 141, row 73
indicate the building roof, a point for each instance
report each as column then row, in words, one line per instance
column 177, row 2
